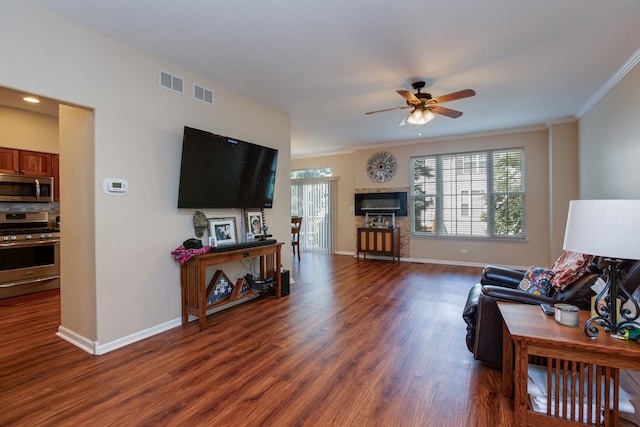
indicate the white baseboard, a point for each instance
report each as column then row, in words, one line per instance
column 460, row 263
column 445, row 262
column 436, row 261
column 77, row 339
column 94, row 347
column 345, row 253
column 137, row 336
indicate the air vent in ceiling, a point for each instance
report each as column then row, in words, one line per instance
column 170, row 82
column 203, row 94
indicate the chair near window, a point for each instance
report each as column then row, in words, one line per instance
column 431, row 228
column 296, row 222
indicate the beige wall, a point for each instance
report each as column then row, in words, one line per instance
column 137, row 136
column 610, row 143
column 563, row 180
column 28, row 131
column 78, row 216
column 535, row 250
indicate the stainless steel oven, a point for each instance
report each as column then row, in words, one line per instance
column 23, row 188
column 29, row 254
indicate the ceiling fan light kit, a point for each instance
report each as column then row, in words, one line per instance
column 425, row 106
column 420, row 116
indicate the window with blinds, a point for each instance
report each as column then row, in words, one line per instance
column 469, row 194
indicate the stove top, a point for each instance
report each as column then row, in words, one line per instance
column 18, row 226
column 29, row 230
column 35, row 234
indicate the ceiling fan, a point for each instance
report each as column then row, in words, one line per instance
column 424, row 106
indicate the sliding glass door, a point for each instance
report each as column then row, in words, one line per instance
column 312, row 199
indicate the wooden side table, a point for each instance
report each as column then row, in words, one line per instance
column 572, row 358
column 194, row 286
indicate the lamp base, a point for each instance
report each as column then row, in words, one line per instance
column 618, row 321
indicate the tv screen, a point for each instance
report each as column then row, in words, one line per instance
column 221, row 172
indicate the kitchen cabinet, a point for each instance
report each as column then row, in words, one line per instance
column 34, row 163
column 9, row 160
column 379, row 241
column 23, row 162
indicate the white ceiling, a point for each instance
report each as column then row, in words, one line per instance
column 327, row 62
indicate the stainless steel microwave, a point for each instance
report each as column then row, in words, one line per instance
column 22, row 188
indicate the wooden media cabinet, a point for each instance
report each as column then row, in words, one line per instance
column 379, row 241
column 196, row 291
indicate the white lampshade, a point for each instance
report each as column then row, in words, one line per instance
column 608, row 228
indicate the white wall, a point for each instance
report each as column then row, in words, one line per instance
column 610, row 143
column 138, row 136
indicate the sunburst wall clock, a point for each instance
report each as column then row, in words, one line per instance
column 381, row 166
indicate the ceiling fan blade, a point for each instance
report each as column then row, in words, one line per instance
column 388, row 109
column 454, row 114
column 409, row 96
column 466, row 93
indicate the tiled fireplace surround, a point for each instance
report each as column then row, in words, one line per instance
column 402, row 222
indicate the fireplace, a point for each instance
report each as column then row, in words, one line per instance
column 373, row 203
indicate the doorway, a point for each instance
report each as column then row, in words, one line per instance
column 76, row 134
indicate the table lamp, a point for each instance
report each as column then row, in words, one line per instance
column 610, row 229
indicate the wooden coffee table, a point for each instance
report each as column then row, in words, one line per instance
column 570, row 356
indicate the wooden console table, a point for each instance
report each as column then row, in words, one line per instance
column 379, row 241
column 193, row 278
column 571, row 358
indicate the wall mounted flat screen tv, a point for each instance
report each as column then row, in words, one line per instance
column 221, row 172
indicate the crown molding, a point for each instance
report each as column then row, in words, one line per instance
column 614, row 80
column 561, row 121
column 456, row 137
column 314, row 155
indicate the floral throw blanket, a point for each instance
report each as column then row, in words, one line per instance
column 568, row 268
column 182, row 254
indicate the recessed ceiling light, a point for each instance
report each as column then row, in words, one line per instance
column 31, row 99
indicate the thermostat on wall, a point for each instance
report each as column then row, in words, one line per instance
column 115, row 186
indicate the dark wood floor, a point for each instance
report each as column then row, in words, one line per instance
column 355, row 344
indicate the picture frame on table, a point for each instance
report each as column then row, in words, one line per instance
column 222, row 231
column 254, row 223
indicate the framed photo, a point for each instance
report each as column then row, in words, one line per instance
column 254, row 223
column 222, row 231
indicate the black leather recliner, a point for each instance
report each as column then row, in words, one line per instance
column 484, row 323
